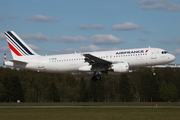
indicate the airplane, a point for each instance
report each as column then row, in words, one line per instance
column 117, row 61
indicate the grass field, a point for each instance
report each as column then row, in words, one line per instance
column 93, row 104
column 90, row 113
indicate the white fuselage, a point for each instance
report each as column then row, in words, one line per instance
column 73, row 62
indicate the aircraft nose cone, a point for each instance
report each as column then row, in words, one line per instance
column 172, row 57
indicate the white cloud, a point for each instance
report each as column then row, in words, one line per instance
column 2, row 36
column 177, row 41
column 68, row 39
column 11, row 16
column 155, row 6
column 95, row 39
column 96, row 26
column 90, row 48
column 158, row 4
column 4, row 49
column 176, row 52
column 146, row 2
column 142, row 39
column 146, row 31
column 38, row 37
column 165, row 41
column 105, row 39
column 126, row 26
column 41, row 18
column 35, row 48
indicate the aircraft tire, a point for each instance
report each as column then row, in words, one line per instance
column 97, row 77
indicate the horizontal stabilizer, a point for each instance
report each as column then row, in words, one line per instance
column 18, row 61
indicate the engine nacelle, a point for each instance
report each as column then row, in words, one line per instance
column 86, row 68
column 120, row 67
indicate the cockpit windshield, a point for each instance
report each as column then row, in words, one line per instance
column 164, row 52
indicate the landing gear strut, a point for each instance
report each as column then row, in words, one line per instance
column 153, row 72
column 96, row 76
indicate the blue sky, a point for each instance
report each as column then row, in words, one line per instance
column 65, row 26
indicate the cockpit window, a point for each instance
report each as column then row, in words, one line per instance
column 164, row 52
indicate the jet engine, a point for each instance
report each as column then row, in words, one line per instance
column 85, row 68
column 120, row 67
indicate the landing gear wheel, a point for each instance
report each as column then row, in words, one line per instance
column 97, row 77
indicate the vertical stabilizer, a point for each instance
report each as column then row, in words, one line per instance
column 17, row 46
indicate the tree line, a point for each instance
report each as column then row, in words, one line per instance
column 138, row 86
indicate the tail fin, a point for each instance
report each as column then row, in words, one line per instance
column 17, row 46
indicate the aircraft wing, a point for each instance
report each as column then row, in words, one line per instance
column 96, row 61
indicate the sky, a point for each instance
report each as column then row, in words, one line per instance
column 67, row 26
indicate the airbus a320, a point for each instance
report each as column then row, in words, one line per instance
column 118, row 61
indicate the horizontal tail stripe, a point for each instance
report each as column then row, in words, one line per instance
column 14, row 50
column 19, row 43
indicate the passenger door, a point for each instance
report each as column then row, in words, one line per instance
column 153, row 54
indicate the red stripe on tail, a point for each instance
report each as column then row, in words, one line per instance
column 14, row 50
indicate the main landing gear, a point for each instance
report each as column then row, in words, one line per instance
column 96, row 76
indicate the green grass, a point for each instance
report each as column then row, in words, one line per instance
column 90, row 113
column 94, row 104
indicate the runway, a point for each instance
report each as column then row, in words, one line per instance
column 89, row 107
